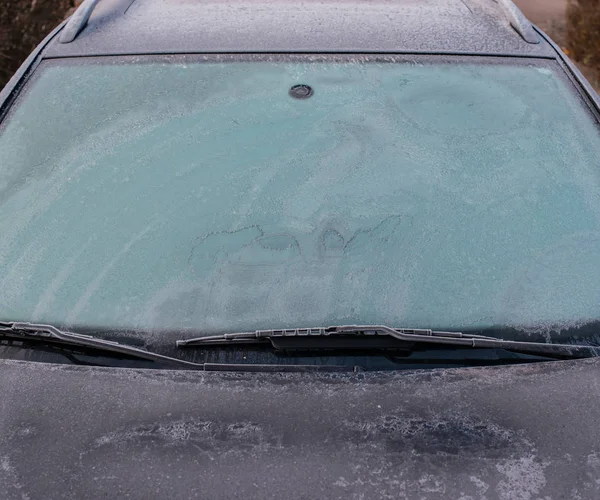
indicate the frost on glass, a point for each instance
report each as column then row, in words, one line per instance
column 202, row 195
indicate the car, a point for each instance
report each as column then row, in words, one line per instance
column 274, row 249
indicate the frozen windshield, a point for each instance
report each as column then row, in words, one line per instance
column 186, row 193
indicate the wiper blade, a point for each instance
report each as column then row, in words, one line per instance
column 383, row 337
column 373, row 334
column 51, row 334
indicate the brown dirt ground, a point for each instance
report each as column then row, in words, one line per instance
column 549, row 15
column 542, row 11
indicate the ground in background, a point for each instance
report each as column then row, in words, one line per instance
column 549, row 15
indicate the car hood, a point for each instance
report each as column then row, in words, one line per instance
column 518, row 432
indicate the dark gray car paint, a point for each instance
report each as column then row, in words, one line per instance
column 159, row 26
column 519, row 432
column 477, row 27
column 507, row 432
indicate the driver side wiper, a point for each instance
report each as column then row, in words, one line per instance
column 52, row 335
column 383, row 337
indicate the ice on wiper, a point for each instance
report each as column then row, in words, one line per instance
column 408, row 334
column 411, row 335
column 51, row 333
column 34, row 331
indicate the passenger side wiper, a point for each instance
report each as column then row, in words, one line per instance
column 383, row 337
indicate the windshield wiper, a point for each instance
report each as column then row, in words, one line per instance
column 52, row 335
column 383, row 337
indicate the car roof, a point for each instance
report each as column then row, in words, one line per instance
column 487, row 27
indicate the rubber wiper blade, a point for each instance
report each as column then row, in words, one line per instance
column 343, row 336
column 51, row 334
column 376, row 334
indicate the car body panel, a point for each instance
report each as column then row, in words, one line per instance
column 510, row 432
column 184, row 26
column 513, row 432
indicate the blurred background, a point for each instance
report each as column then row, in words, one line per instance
column 573, row 24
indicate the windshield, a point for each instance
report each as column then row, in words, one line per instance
column 201, row 193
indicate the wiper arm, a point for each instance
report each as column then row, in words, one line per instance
column 51, row 334
column 383, row 337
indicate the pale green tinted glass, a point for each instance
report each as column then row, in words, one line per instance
column 167, row 195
